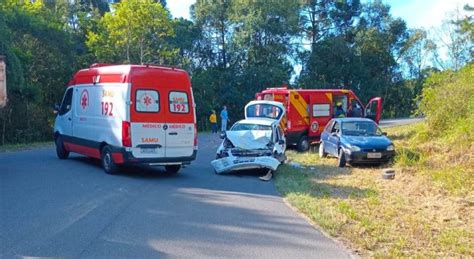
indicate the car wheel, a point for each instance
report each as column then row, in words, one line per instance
column 321, row 150
column 61, row 152
column 172, row 169
column 108, row 163
column 303, row 144
column 341, row 158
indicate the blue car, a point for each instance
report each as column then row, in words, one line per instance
column 355, row 140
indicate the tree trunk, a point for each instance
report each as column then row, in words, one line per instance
column 224, row 58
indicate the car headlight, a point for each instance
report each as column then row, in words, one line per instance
column 355, row 148
column 390, row 148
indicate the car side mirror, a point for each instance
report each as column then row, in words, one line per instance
column 222, row 135
column 334, row 134
column 281, row 141
column 56, row 109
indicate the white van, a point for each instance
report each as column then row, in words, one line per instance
column 128, row 114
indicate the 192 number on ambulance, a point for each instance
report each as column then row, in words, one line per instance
column 107, row 108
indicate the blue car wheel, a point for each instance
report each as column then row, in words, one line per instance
column 341, row 158
column 322, row 153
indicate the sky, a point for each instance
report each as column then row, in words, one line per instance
column 417, row 13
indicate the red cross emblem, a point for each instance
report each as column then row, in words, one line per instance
column 84, row 99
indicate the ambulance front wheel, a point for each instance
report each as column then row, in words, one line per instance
column 61, row 152
column 303, row 144
column 172, row 169
column 108, row 163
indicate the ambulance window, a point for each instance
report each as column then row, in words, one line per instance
column 321, row 110
column 178, row 102
column 147, row 101
column 66, row 105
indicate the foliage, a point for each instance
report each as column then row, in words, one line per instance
column 448, row 102
column 232, row 49
column 40, row 59
column 136, row 32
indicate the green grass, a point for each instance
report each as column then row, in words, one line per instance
column 24, row 146
column 426, row 211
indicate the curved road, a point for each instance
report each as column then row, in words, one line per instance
column 71, row 208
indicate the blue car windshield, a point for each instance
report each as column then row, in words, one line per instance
column 360, row 128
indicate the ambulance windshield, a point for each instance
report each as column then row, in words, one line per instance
column 263, row 110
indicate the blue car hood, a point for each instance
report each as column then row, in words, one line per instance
column 377, row 142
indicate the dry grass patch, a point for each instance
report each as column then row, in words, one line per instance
column 417, row 214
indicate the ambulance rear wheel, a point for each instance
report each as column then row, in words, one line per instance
column 303, row 144
column 61, row 152
column 172, row 169
column 108, row 162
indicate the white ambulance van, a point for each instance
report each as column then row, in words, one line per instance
column 128, row 114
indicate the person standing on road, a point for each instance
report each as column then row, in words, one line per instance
column 213, row 121
column 224, row 119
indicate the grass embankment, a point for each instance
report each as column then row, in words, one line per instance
column 427, row 210
column 24, row 146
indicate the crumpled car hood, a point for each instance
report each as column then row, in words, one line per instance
column 250, row 139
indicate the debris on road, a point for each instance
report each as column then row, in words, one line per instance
column 388, row 174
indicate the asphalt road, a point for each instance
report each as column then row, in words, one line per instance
column 71, row 208
column 399, row 122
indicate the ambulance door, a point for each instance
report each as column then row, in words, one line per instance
column 148, row 121
column 64, row 118
column 320, row 113
column 373, row 110
column 180, row 129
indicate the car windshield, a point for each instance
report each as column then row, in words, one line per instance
column 360, row 128
column 249, row 126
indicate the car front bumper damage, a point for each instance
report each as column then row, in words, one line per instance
column 234, row 163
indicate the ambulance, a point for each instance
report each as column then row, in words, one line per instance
column 128, row 114
column 309, row 110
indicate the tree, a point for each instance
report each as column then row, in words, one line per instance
column 213, row 19
column 135, row 32
column 40, row 59
column 455, row 39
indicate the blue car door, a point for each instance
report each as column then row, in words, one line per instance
column 332, row 143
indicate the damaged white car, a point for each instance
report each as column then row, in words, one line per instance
column 256, row 142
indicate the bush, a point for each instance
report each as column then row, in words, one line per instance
column 448, row 103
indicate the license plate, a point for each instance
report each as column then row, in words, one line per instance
column 244, row 160
column 374, row 155
column 148, row 150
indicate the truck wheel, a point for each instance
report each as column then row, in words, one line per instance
column 172, row 169
column 61, row 152
column 321, row 150
column 303, row 144
column 341, row 158
column 108, row 162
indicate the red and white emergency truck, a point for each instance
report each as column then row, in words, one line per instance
column 309, row 110
column 128, row 114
